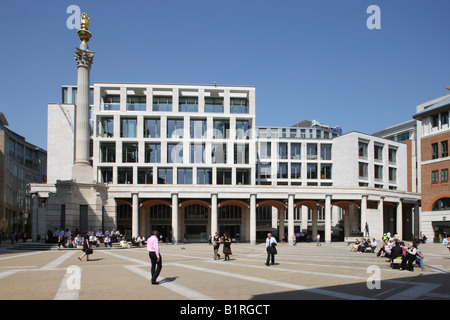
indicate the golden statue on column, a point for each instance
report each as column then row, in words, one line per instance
column 83, row 33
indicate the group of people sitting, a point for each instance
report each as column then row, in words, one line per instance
column 400, row 254
column 365, row 245
column 395, row 250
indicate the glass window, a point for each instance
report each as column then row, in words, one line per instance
column 107, row 152
column 296, row 151
column 325, row 151
column 152, row 128
column 238, row 105
column 296, row 170
column 265, row 150
column 242, row 176
column 221, row 129
column 325, row 171
column 145, row 175
column 242, row 129
column 311, row 171
column 162, row 103
column 214, row 105
column 435, row 121
column 165, row 176
column 378, row 152
column 204, row 176
column 223, row 176
column 188, row 104
column 198, row 129
column 136, row 103
column 392, row 174
column 444, row 147
column 175, row 128
column 282, row 151
column 106, row 127
column 444, row 175
column 110, row 102
column 175, row 153
column 362, row 149
column 125, row 175
column 434, row 151
column 311, row 151
column 435, row 176
column 265, row 170
column 441, row 204
column 130, row 152
column 128, row 128
column 392, row 155
column 282, row 172
column 184, row 176
column 378, row 172
column 444, row 118
column 219, row 153
column 363, row 170
column 152, row 153
column 106, row 175
column 241, row 153
column 197, row 153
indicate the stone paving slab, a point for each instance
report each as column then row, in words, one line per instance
column 301, row 272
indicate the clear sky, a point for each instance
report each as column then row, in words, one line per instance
column 308, row 59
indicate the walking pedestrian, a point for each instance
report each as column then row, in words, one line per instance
column 86, row 248
column 226, row 246
column 216, row 245
column 318, row 240
column 155, row 256
column 271, row 243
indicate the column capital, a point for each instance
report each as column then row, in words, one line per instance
column 84, row 58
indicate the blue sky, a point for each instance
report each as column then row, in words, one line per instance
column 308, row 59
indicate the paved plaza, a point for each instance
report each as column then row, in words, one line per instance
column 301, row 272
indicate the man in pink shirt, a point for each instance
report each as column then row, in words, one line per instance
column 155, row 256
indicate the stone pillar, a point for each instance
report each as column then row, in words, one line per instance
column 281, row 217
column 34, row 215
column 214, row 217
column 328, row 219
column 304, row 227
column 82, row 169
column 253, row 219
column 363, row 214
column 399, row 219
column 135, row 216
column 381, row 214
column 290, row 218
column 175, row 218
column 314, row 222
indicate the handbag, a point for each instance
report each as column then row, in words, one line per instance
column 89, row 251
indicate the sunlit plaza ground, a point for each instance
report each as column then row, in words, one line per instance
column 303, row 271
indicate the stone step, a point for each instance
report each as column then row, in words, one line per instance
column 53, row 246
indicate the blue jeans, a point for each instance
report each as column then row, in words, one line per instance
column 419, row 260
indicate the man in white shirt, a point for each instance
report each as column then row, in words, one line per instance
column 270, row 248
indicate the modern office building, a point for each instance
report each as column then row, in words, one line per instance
column 189, row 160
column 433, row 137
column 21, row 163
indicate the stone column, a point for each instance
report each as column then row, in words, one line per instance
column 281, row 217
column 290, row 218
column 363, row 214
column 34, row 215
column 174, row 218
column 82, row 170
column 135, row 216
column 253, row 219
column 399, row 219
column 304, row 227
column 381, row 214
column 214, row 217
column 314, row 222
column 328, row 219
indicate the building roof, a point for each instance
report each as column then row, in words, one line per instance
column 3, row 120
column 442, row 105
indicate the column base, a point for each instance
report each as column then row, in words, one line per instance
column 82, row 173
